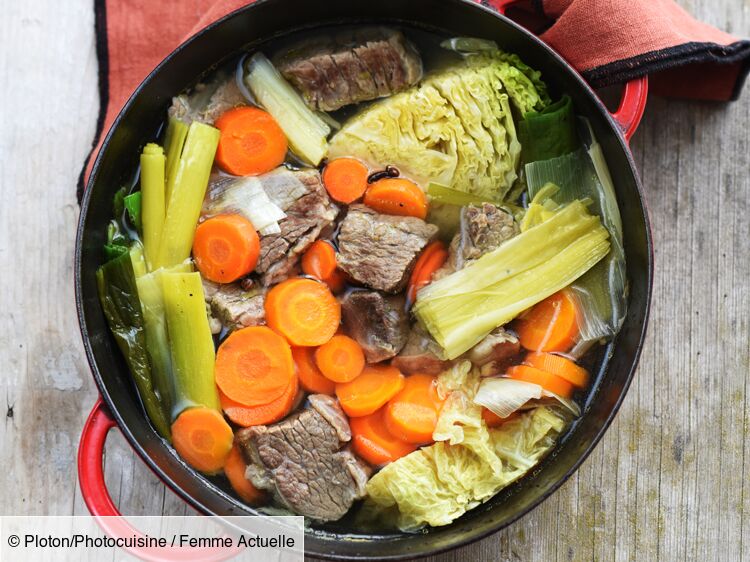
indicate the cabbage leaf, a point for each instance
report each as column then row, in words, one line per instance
column 456, row 128
column 437, row 484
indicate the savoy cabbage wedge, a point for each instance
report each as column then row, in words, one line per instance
column 456, row 128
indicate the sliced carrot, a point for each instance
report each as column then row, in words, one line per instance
column 546, row 380
column 225, row 248
column 304, row 311
column 251, row 142
column 319, row 260
column 369, row 391
column 263, row 414
column 429, row 261
column 397, row 196
column 560, row 366
column 345, row 179
column 550, row 325
column 372, row 441
column 234, row 468
column 340, row 359
column 254, row 366
column 493, row 420
column 203, row 438
column 310, row 377
column 337, row 281
column 411, row 415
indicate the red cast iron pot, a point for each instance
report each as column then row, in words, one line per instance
column 249, row 28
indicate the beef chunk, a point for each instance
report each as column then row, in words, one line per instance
column 310, row 215
column 380, row 250
column 378, row 322
column 233, row 306
column 495, row 352
column 421, row 354
column 351, row 67
column 483, row 229
column 208, row 101
column 304, row 463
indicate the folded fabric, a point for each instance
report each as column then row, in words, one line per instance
column 608, row 41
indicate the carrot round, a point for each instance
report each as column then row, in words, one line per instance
column 345, row 179
column 493, row 420
column 397, row 196
column 225, row 248
column 203, row 438
column 263, row 414
column 550, row 325
column 304, row 311
column 546, row 380
column 340, row 359
column 560, row 366
column 234, row 468
column 372, row 441
column 251, row 142
column 411, row 415
column 337, row 281
column 429, row 261
column 369, row 391
column 319, row 260
column 310, row 377
column 254, row 366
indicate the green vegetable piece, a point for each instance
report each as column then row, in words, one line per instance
column 133, row 206
column 153, row 163
column 548, row 133
column 462, row 308
column 191, row 342
column 112, row 251
column 174, row 141
column 184, row 205
column 444, row 194
column 118, row 294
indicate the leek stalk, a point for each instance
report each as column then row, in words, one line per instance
column 184, row 205
column 191, row 343
column 174, row 141
column 118, row 293
column 153, row 165
column 462, row 308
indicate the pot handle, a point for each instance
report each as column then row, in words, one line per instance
column 101, row 506
column 633, row 101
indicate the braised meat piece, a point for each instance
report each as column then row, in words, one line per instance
column 310, row 214
column 208, row 101
column 379, row 251
column 378, row 322
column 484, row 228
column 351, row 67
column 421, row 354
column 303, row 461
column 234, row 307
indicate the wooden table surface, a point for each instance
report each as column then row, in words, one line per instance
column 667, row 482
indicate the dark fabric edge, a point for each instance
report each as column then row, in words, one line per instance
column 102, row 57
column 680, row 55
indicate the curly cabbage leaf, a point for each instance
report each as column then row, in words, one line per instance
column 456, row 128
column 437, row 484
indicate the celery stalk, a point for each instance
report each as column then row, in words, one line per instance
column 153, row 164
column 462, row 308
column 190, row 340
column 174, row 141
column 305, row 131
column 186, row 199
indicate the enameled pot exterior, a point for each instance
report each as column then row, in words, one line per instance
column 252, row 26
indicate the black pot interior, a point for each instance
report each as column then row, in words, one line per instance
column 251, row 27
